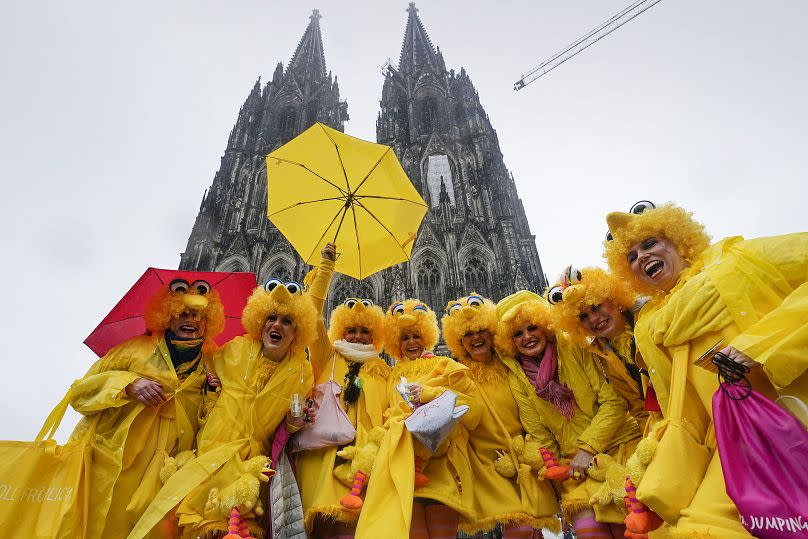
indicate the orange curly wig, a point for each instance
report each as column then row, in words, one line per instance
column 165, row 305
column 424, row 321
column 667, row 221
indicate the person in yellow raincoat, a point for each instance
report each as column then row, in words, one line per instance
column 143, row 399
column 566, row 405
column 750, row 293
column 259, row 372
column 594, row 309
column 524, row 502
column 413, row 493
column 350, row 348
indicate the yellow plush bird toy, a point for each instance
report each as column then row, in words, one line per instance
column 638, row 462
column 241, row 496
column 362, row 460
column 172, row 464
column 528, row 453
column 613, row 476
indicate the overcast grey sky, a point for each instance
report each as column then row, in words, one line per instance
column 114, row 117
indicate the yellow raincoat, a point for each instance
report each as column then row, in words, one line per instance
column 132, row 439
column 240, row 426
column 754, row 295
column 524, row 500
column 611, row 357
column 601, row 423
column 388, row 504
column 318, row 469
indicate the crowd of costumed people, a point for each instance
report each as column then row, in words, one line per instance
column 612, row 404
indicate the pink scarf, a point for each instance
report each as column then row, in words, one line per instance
column 544, row 377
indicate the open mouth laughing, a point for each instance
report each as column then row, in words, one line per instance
column 275, row 337
column 653, row 268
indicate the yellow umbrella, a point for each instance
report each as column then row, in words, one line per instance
column 325, row 186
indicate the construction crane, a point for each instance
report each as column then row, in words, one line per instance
column 585, row 41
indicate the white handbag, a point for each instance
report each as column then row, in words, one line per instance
column 432, row 422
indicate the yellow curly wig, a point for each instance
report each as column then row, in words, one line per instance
column 527, row 309
column 344, row 317
column 597, row 285
column 165, row 305
column 667, row 221
column 298, row 307
column 467, row 319
column 425, row 322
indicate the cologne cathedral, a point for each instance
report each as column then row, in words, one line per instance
column 475, row 236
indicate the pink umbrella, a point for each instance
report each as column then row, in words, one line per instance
column 125, row 320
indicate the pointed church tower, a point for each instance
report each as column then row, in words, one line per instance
column 475, row 237
column 232, row 232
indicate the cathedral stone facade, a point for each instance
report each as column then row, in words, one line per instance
column 475, row 236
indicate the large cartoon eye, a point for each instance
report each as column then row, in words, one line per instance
column 202, row 287
column 474, row 301
column 294, row 288
column 554, row 295
column 179, row 285
column 609, row 236
column 571, row 276
column 367, row 302
column 421, row 307
column 350, row 302
column 641, row 206
column 397, row 309
column 271, row 284
column 453, row 307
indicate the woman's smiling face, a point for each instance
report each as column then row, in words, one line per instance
column 529, row 340
column 412, row 344
column 604, row 320
column 478, row 345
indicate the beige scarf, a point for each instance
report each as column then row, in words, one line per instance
column 356, row 352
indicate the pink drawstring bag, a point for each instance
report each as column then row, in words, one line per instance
column 764, row 457
column 332, row 426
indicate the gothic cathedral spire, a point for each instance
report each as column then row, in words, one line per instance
column 231, row 232
column 308, row 61
column 475, row 237
column 416, row 51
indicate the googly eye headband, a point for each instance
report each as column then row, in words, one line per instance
column 637, row 209
column 292, row 287
column 555, row 294
column 181, row 286
column 410, row 315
